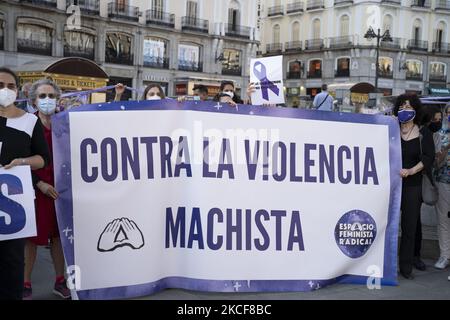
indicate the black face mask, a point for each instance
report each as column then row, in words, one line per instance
column 435, row 126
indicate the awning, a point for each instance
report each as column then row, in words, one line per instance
column 68, row 73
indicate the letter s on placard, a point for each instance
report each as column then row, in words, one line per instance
column 15, row 218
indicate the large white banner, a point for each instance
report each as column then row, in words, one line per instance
column 17, row 215
column 180, row 193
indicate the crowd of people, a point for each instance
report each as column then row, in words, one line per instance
column 26, row 139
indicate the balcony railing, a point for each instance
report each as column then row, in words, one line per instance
column 339, row 2
column 421, row 3
column 89, row 7
column 125, row 59
column 232, row 71
column 160, row 18
column 394, row 44
column 418, row 45
column 275, row 11
column 233, row 30
column 316, row 74
column 294, row 7
column 442, row 5
column 293, row 75
column 159, row 63
column 385, row 74
column 314, row 44
column 87, row 53
column 190, row 66
column 438, row 77
column 274, row 47
column 119, row 11
column 441, row 47
column 414, row 76
column 34, row 46
column 45, row 3
column 343, row 73
column 396, row 2
column 194, row 24
column 341, row 42
column 315, row 4
column 293, row 46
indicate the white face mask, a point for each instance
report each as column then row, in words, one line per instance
column 229, row 93
column 7, row 97
column 47, row 106
column 155, row 97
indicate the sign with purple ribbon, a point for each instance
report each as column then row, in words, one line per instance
column 267, row 75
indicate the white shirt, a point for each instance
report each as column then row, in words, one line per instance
column 327, row 104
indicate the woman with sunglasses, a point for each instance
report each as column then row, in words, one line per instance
column 417, row 158
column 44, row 95
column 22, row 143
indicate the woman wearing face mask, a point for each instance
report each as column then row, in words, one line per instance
column 417, row 156
column 153, row 92
column 44, row 95
column 443, row 184
column 22, row 142
column 227, row 87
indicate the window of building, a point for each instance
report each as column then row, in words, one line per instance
column 343, row 67
column 387, row 24
column 34, row 39
column 156, row 53
column 414, row 70
column 2, row 37
column 118, row 48
column 296, row 31
column 234, row 17
column 315, row 68
column 438, row 71
column 417, row 30
column 79, row 44
column 295, row 69
column 189, row 57
column 344, row 26
column 192, row 9
column 386, row 67
column 276, row 34
column 316, row 29
column 232, row 63
column 121, row 5
column 440, row 33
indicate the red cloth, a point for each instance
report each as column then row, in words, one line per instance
column 46, row 223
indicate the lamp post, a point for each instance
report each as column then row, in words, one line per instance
column 386, row 37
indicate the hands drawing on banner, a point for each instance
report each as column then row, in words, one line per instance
column 119, row 233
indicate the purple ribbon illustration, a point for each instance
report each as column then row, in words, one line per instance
column 265, row 83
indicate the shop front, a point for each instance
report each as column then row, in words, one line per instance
column 70, row 74
column 185, row 86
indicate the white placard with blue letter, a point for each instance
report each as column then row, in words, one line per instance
column 17, row 215
column 216, row 198
column 267, row 75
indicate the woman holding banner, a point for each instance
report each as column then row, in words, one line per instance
column 417, row 157
column 44, row 95
column 22, row 142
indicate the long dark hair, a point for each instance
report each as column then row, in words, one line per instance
column 414, row 101
column 236, row 97
column 153, row 85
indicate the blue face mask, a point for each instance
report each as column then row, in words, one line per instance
column 405, row 116
column 47, row 106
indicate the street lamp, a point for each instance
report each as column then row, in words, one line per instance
column 386, row 37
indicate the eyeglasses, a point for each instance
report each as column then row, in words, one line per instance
column 11, row 86
column 45, row 95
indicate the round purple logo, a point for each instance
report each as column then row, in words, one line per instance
column 355, row 232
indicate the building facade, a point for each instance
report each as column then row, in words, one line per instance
column 323, row 41
column 176, row 43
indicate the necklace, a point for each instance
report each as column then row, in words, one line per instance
column 409, row 133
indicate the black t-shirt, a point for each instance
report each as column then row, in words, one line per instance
column 22, row 137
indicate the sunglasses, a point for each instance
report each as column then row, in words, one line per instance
column 45, row 95
column 10, row 86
